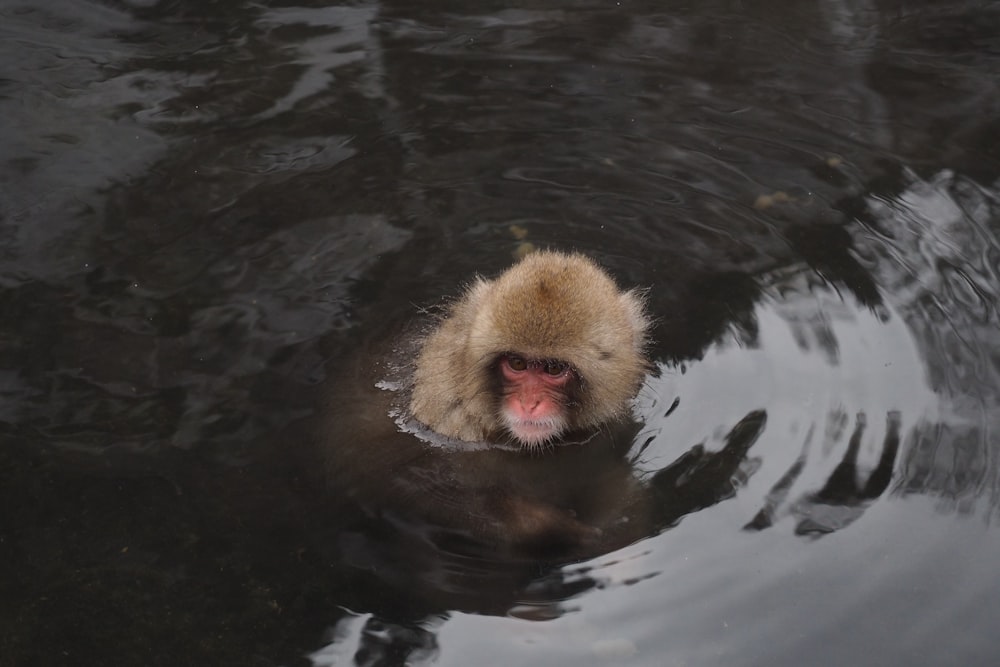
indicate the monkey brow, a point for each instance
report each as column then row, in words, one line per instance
column 533, row 361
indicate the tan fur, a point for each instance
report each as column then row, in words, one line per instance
column 548, row 306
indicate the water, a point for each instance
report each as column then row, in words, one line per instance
column 206, row 207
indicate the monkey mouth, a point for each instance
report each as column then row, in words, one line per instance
column 534, row 432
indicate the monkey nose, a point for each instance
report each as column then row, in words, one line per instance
column 530, row 404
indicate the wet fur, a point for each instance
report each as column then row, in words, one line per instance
column 549, row 306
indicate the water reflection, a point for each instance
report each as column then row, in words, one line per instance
column 204, row 204
column 935, row 249
column 347, row 39
column 843, row 497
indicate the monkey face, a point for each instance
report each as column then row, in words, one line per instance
column 535, row 398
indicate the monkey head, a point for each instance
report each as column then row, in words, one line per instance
column 548, row 347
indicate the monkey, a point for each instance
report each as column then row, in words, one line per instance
column 550, row 347
column 528, row 378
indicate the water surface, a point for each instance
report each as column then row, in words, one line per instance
column 204, row 205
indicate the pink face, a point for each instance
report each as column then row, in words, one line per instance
column 534, row 398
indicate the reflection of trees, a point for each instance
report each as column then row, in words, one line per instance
column 368, row 641
column 843, row 499
column 933, row 248
column 700, row 479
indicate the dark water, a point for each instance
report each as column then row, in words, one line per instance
column 204, row 203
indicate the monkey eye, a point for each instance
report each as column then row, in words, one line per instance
column 554, row 367
column 517, row 363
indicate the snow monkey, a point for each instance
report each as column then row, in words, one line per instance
column 550, row 347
